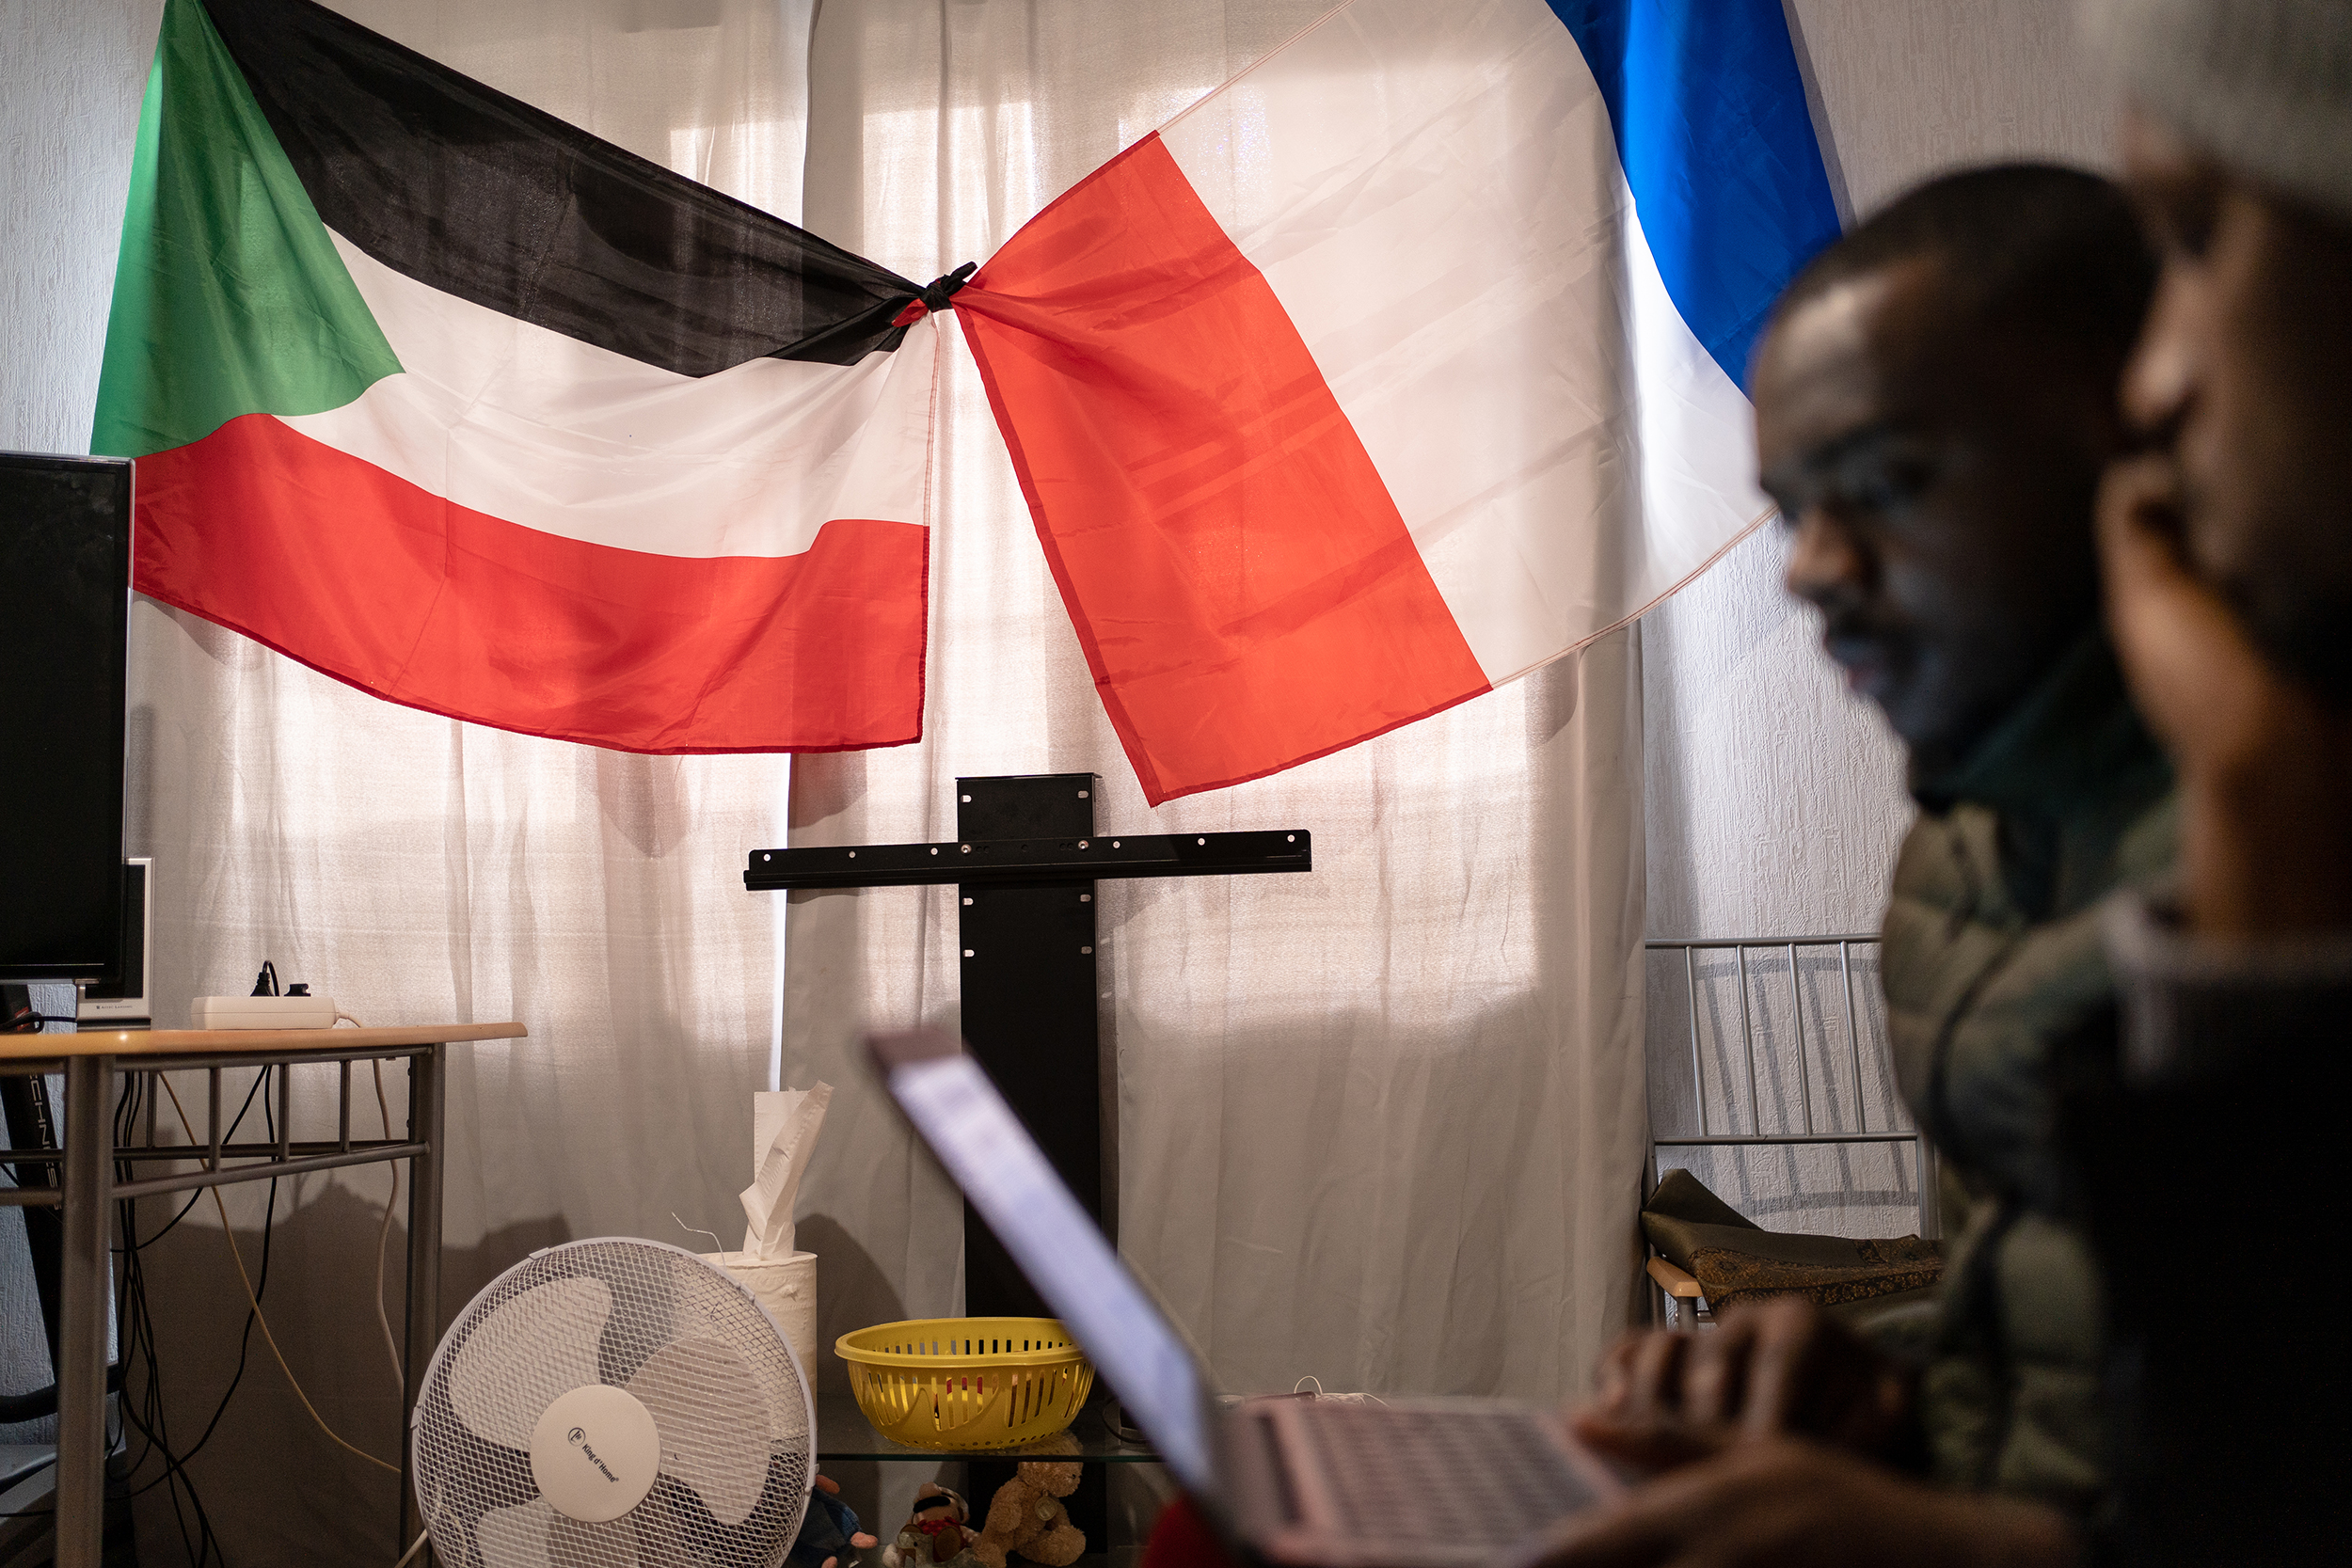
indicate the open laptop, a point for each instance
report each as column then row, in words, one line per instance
column 1321, row 1484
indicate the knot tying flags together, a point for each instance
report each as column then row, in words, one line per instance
column 935, row 295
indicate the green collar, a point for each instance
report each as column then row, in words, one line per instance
column 2071, row 743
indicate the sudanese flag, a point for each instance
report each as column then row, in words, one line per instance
column 454, row 401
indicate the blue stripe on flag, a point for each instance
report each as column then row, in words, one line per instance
column 1718, row 145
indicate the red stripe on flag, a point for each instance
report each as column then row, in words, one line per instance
column 1246, row 592
column 363, row 576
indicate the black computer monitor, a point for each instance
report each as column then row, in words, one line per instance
column 65, row 620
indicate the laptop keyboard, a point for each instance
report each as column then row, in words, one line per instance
column 1443, row 1477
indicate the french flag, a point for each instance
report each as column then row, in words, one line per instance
column 1407, row 361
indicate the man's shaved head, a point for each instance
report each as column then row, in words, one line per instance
column 2023, row 247
column 1935, row 401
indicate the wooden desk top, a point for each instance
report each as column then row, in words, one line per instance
column 222, row 1042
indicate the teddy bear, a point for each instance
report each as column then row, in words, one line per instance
column 1027, row 1515
column 935, row 1534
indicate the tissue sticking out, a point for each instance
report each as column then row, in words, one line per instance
column 783, row 1129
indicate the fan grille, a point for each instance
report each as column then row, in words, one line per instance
column 729, row 1494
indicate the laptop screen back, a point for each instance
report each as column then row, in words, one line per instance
column 1005, row 1174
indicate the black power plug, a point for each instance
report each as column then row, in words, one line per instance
column 265, row 983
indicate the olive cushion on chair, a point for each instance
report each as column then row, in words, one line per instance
column 1736, row 1261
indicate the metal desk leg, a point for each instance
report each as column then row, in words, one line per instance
column 427, row 1126
column 82, row 1377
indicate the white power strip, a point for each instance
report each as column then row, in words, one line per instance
column 262, row 1012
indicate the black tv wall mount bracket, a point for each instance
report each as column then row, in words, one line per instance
column 1026, row 860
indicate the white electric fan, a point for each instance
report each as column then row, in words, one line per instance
column 613, row 1404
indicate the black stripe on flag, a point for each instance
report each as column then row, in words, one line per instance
column 481, row 196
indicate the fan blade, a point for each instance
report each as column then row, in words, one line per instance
column 534, row 1535
column 514, row 1537
column 666, row 1533
column 576, row 1543
column 706, row 1404
column 530, row 1350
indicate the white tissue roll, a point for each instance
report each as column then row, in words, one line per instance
column 787, row 1288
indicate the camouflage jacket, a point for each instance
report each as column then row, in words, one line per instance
column 1993, row 964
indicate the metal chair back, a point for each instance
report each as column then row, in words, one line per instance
column 1816, row 1033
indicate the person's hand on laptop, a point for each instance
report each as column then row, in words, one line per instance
column 1743, row 1501
column 1768, row 1432
column 1782, row 1366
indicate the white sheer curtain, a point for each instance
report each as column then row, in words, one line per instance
column 1382, row 1124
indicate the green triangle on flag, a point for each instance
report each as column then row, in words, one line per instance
column 229, row 297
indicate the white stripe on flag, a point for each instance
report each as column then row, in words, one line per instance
column 526, row 424
column 1697, row 435
column 1434, row 195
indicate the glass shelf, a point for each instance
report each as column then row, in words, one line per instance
column 843, row 1433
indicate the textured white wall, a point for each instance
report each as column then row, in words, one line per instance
column 71, row 76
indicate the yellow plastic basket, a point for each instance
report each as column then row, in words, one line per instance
column 968, row 1383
